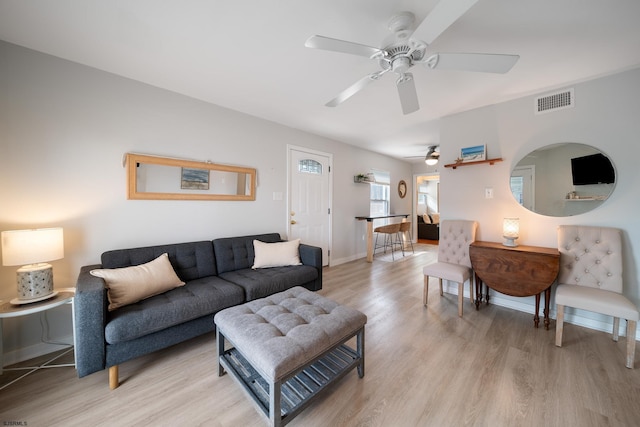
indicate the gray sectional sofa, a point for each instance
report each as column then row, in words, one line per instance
column 217, row 274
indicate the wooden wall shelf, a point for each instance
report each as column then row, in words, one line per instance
column 479, row 162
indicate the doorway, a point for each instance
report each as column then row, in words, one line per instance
column 426, row 200
column 522, row 185
column 309, row 198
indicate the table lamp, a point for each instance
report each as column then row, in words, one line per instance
column 510, row 231
column 32, row 249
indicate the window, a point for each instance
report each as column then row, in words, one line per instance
column 380, row 195
column 310, row 166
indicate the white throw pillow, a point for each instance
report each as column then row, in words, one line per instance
column 277, row 254
column 426, row 218
column 436, row 218
column 129, row 285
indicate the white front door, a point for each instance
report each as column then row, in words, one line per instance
column 309, row 216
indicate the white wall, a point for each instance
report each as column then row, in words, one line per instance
column 64, row 129
column 605, row 116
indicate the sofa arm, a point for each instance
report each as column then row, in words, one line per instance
column 90, row 311
column 312, row 255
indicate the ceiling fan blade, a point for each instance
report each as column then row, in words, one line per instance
column 343, row 46
column 441, row 17
column 355, row 88
column 481, row 62
column 408, row 95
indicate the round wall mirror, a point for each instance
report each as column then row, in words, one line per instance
column 563, row 179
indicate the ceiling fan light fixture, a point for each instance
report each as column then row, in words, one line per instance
column 432, row 156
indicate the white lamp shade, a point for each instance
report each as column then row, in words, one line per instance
column 22, row 247
column 511, row 227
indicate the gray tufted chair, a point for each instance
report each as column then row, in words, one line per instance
column 590, row 279
column 453, row 262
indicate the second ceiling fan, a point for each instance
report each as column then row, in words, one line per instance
column 409, row 48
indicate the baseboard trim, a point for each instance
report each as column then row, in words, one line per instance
column 33, row 351
column 527, row 305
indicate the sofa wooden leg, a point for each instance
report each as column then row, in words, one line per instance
column 113, row 377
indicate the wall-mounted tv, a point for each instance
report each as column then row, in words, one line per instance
column 593, row 169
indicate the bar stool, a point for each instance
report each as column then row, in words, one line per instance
column 389, row 231
column 405, row 227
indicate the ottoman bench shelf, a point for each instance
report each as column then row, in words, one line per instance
column 287, row 348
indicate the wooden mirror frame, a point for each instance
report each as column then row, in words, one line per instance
column 402, row 189
column 132, row 161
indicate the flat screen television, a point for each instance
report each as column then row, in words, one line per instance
column 593, row 169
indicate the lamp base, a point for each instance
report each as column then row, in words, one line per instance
column 35, row 281
column 509, row 242
column 18, row 301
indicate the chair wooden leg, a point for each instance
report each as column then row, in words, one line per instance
column 471, row 289
column 460, row 298
column 631, row 343
column 113, row 377
column 559, row 324
column 440, row 281
column 425, row 295
column 616, row 328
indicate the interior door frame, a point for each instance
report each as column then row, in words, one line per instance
column 291, row 148
column 414, row 202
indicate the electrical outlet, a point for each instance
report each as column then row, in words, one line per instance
column 488, row 193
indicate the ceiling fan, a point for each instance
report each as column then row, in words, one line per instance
column 409, row 47
column 432, row 157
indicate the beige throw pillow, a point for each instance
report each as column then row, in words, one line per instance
column 276, row 254
column 129, row 285
column 436, row 218
column 426, row 218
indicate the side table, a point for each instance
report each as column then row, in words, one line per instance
column 517, row 271
column 64, row 296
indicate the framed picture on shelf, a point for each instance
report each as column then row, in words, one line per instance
column 474, row 154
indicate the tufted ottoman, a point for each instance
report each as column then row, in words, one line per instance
column 288, row 347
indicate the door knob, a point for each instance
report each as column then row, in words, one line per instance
column 293, row 221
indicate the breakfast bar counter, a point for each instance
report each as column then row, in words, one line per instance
column 369, row 220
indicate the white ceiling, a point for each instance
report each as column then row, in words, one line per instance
column 249, row 55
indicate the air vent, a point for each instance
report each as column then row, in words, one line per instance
column 554, row 101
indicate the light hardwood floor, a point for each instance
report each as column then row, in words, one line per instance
column 424, row 367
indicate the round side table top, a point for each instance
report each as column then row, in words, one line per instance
column 64, row 296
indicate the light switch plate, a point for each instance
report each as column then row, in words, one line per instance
column 488, row 193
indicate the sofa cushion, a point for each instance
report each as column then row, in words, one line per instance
column 189, row 260
column 263, row 282
column 277, row 254
column 197, row 298
column 236, row 253
column 131, row 284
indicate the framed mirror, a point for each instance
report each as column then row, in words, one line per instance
column 402, row 189
column 563, row 179
column 162, row 178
